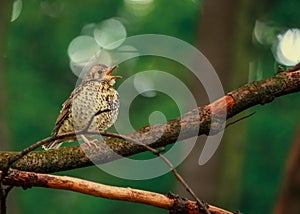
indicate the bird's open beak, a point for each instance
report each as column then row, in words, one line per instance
column 110, row 71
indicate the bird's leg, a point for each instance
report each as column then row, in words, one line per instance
column 89, row 143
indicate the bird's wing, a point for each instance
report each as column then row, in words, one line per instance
column 66, row 109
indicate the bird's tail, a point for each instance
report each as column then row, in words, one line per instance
column 52, row 145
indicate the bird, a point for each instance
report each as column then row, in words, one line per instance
column 93, row 105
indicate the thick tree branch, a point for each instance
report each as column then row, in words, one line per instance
column 195, row 122
column 172, row 203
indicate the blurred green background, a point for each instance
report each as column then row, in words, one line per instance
column 246, row 173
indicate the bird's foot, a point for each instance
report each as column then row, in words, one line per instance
column 90, row 143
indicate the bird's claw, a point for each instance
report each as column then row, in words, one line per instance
column 90, row 143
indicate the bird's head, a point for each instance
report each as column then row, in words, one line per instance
column 101, row 72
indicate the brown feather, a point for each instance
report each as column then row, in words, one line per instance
column 66, row 107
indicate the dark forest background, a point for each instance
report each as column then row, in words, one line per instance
column 35, row 78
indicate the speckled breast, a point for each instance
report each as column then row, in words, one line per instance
column 97, row 105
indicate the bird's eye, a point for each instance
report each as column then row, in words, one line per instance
column 99, row 72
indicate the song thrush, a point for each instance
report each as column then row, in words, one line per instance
column 94, row 104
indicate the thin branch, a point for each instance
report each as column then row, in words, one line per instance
column 3, row 196
column 2, row 200
column 170, row 165
column 240, row 119
column 30, row 179
column 294, row 68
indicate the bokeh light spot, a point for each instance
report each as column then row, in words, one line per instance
column 82, row 49
column 139, row 7
column 144, row 86
column 288, row 47
column 16, row 10
column 110, row 34
column 157, row 117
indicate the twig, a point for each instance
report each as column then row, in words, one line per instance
column 2, row 200
column 238, row 120
column 170, row 165
column 3, row 196
column 294, row 68
column 30, row 179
